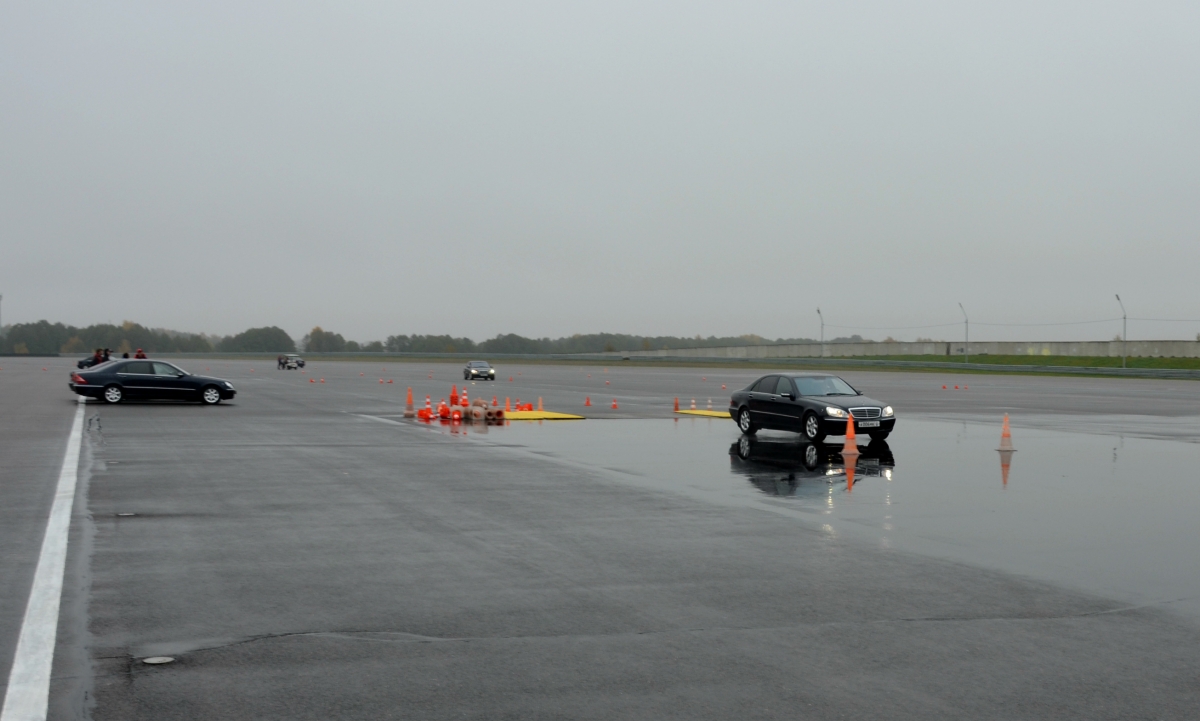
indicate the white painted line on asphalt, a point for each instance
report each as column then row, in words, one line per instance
column 28, row 692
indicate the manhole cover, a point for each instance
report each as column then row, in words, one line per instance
column 158, row 659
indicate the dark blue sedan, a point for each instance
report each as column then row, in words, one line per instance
column 119, row 380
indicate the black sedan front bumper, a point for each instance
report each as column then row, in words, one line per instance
column 837, row 426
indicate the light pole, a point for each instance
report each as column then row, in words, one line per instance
column 966, row 335
column 822, row 331
column 1124, row 330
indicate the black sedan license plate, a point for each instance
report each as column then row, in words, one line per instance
column 868, row 424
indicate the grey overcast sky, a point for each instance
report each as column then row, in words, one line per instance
column 552, row 168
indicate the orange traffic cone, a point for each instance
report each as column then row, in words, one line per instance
column 464, row 401
column 676, row 404
column 722, row 386
column 312, row 380
column 389, row 380
column 587, row 400
column 710, row 404
column 409, row 411
column 428, row 405
column 1006, row 437
column 510, row 379
column 454, row 394
column 850, row 447
column 606, row 383
column 540, row 403
column 507, row 406
column 322, row 380
column 495, row 402
column 614, row 405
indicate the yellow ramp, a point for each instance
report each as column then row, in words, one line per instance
column 540, row 416
column 707, row 414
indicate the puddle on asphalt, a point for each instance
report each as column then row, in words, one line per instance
column 1106, row 514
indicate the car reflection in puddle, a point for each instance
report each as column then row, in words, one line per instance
column 787, row 467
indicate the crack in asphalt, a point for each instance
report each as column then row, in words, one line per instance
column 389, row 636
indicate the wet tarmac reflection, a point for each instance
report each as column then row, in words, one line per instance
column 1077, row 513
column 782, row 466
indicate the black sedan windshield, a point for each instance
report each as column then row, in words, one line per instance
column 823, row 386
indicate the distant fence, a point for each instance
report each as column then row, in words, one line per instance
column 1101, row 349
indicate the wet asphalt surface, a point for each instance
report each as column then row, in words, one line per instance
column 305, row 553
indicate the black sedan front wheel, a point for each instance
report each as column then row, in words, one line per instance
column 113, row 394
column 210, row 396
column 745, row 424
column 812, row 428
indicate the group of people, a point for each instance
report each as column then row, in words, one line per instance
column 104, row 355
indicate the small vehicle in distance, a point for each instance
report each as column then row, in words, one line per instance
column 479, row 369
column 139, row 379
column 291, row 361
column 813, row 405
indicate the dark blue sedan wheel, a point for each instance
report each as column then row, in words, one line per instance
column 113, row 394
column 211, row 395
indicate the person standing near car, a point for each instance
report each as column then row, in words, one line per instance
column 279, row 363
column 140, row 353
column 98, row 357
column 107, row 355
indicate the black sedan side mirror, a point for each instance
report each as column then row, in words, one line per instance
column 790, row 396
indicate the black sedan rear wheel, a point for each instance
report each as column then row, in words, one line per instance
column 210, row 396
column 113, row 394
column 812, row 428
column 745, row 424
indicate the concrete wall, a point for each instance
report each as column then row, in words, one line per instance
column 1140, row 348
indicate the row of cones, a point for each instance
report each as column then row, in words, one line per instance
column 461, row 407
column 693, row 404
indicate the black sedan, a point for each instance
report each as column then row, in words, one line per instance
column 119, row 380
column 813, row 405
column 479, row 369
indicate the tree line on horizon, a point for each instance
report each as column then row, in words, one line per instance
column 44, row 337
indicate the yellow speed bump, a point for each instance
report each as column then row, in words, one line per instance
column 706, row 414
column 540, row 416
